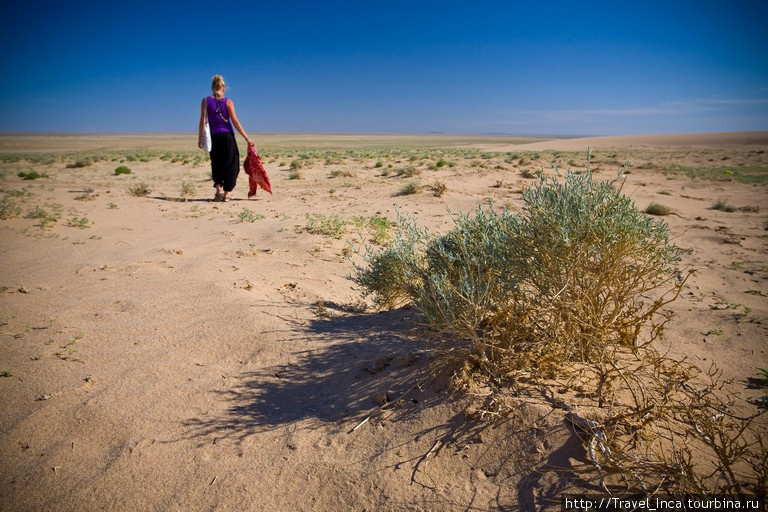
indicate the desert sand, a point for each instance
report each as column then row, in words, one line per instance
column 171, row 353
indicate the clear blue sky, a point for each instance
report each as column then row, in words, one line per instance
column 536, row 67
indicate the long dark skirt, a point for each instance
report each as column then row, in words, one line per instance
column 225, row 160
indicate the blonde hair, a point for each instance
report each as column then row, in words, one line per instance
column 217, row 83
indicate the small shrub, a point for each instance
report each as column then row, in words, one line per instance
column 78, row 164
column 31, row 175
column 139, row 189
column 408, row 171
column 296, row 165
column 658, row 209
column 87, row 195
column 409, row 189
column 438, row 188
column 188, row 190
column 344, row 174
column 122, row 170
column 724, row 207
column 296, row 174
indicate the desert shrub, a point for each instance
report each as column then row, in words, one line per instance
column 572, row 289
column 122, row 170
column 409, row 188
column 658, row 209
column 139, row 189
column 188, row 189
column 559, row 282
column 438, row 188
column 296, row 174
column 723, row 206
column 78, row 164
column 408, row 171
column 31, row 175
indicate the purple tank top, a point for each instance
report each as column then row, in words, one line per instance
column 218, row 116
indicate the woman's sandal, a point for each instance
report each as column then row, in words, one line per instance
column 218, row 197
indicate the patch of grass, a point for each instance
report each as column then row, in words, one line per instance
column 296, row 174
column 327, row 225
column 744, row 174
column 658, row 209
column 247, row 215
column 45, row 218
column 6, row 373
column 139, row 189
column 122, row 170
column 378, row 227
column 8, row 208
column 78, row 222
column 87, row 195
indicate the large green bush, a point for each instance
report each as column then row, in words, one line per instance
column 578, row 270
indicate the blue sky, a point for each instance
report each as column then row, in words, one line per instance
column 544, row 67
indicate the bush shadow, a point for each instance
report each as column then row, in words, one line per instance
column 346, row 367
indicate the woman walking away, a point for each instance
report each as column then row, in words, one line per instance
column 225, row 157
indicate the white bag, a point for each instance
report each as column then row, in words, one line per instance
column 206, row 140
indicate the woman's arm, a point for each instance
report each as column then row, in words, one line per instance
column 200, row 129
column 233, row 117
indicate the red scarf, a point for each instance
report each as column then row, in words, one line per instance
column 257, row 175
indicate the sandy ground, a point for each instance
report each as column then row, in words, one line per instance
column 161, row 354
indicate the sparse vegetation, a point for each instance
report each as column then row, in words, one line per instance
column 31, row 175
column 78, row 222
column 122, row 170
column 723, row 206
column 247, row 215
column 410, row 188
column 438, row 188
column 139, row 189
column 79, row 164
column 8, row 208
column 45, row 218
column 188, row 190
column 327, row 225
column 378, row 227
column 658, row 209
